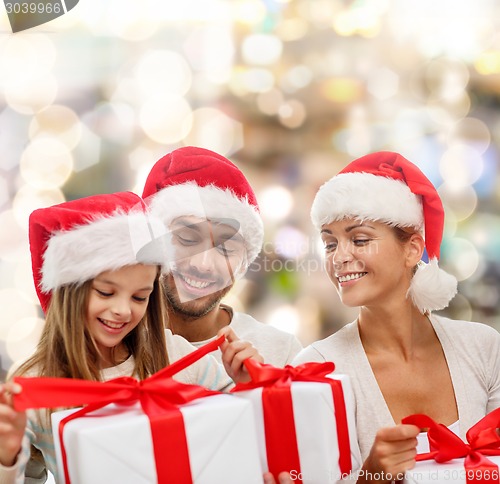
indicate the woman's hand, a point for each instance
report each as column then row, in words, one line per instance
column 12, row 425
column 392, row 453
column 234, row 352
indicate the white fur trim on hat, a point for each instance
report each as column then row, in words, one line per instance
column 210, row 202
column 366, row 196
column 103, row 244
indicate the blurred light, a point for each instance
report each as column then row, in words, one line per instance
column 214, row 130
column 57, row 121
column 249, row 12
column 291, row 243
column 23, row 338
column 462, row 200
column 23, row 279
column 269, row 102
column 291, row 29
column 262, row 49
column 292, row 114
column 462, row 258
column 14, row 308
column 488, row 63
column 115, row 121
column 446, row 79
column 13, row 239
column 46, row 163
column 473, row 131
column 275, row 202
column 342, row 90
column 87, row 152
column 296, row 78
column 166, row 118
column 362, row 18
column 285, row 318
column 461, row 308
column 210, row 49
column 30, row 96
column 461, row 165
column 131, row 20
column 163, row 71
column 383, row 83
column 483, row 231
column 29, row 198
column 4, row 191
column 256, row 80
column 25, row 59
column 13, row 129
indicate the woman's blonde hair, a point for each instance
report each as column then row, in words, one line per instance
column 67, row 350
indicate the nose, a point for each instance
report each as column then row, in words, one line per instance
column 121, row 308
column 203, row 261
column 342, row 255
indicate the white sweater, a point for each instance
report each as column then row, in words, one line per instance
column 472, row 351
column 277, row 347
column 206, row 372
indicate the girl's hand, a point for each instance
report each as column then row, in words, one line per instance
column 234, row 352
column 12, row 425
column 283, row 478
column 392, row 453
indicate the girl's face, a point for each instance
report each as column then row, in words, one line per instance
column 366, row 262
column 117, row 303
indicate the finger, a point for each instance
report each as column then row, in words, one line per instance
column 229, row 333
column 269, row 478
column 398, row 432
column 285, row 478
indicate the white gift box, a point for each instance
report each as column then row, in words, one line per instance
column 115, row 445
column 316, row 430
column 452, row 472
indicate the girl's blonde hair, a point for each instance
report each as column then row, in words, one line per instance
column 67, row 350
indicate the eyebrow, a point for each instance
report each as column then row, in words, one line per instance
column 349, row 228
column 112, row 283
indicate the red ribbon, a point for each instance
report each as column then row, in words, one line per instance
column 159, row 396
column 279, row 424
column 482, row 440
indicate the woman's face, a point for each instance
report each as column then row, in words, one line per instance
column 117, row 303
column 366, row 262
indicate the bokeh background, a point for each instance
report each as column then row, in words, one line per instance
column 291, row 91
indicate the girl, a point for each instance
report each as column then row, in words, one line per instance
column 96, row 263
column 376, row 217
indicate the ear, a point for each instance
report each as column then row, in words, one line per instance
column 414, row 250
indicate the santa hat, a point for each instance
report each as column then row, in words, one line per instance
column 388, row 188
column 196, row 181
column 75, row 241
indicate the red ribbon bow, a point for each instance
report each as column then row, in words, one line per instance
column 159, row 396
column 281, row 437
column 482, row 440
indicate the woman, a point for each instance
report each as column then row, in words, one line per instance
column 376, row 217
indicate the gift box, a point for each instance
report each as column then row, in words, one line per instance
column 154, row 430
column 114, row 444
column 305, row 421
column 451, row 472
column 454, row 461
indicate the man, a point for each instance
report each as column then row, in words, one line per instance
column 216, row 233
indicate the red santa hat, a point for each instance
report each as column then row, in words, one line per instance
column 388, row 188
column 75, row 241
column 199, row 182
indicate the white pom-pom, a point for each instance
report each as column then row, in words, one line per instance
column 431, row 288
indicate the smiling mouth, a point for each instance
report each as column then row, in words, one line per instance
column 351, row 277
column 111, row 324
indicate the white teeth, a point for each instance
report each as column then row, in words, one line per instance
column 350, row 277
column 196, row 284
column 112, row 325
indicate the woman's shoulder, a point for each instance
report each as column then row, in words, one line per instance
column 469, row 331
column 333, row 347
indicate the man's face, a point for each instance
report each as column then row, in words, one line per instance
column 208, row 255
